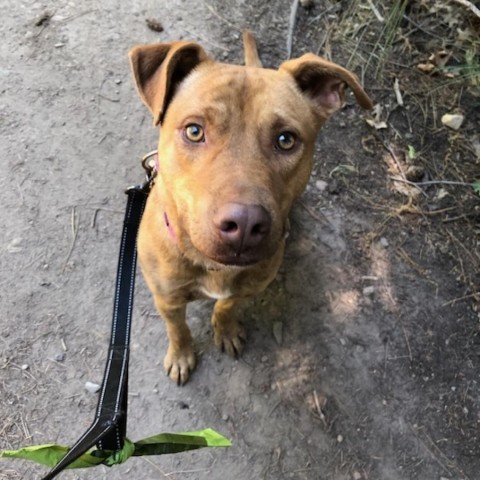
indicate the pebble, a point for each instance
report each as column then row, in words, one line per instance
column 225, row 417
column 453, row 120
column 92, row 387
column 15, row 245
column 264, row 359
column 384, row 242
column 369, row 291
column 307, row 4
column 357, row 475
column 278, row 332
column 60, row 357
column 339, row 438
column 321, row 185
column 25, row 366
column 118, row 81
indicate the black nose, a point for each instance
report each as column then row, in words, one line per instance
column 242, row 226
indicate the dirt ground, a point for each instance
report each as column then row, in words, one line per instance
column 363, row 357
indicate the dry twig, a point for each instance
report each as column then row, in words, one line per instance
column 74, row 237
column 469, row 5
column 291, row 27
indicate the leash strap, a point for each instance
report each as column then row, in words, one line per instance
column 108, row 429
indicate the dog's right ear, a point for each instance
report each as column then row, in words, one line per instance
column 159, row 68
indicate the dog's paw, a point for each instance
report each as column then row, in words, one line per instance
column 230, row 337
column 179, row 364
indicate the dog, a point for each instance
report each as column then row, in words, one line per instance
column 235, row 150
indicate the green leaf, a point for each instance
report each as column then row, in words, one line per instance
column 180, row 442
column 120, row 456
column 412, row 154
column 51, row 454
column 476, row 186
column 343, row 170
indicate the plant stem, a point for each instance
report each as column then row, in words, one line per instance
column 431, row 182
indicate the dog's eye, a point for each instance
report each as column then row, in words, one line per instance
column 286, row 141
column 194, row 133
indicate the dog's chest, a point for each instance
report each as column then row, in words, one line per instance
column 216, row 286
column 215, row 294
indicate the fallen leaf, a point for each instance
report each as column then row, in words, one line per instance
column 376, row 121
column 426, row 67
column 440, row 59
column 442, row 193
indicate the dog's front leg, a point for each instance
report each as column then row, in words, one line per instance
column 180, row 358
column 228, row 332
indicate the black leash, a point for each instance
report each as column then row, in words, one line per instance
column 108, row 429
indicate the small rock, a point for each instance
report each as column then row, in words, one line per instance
column 15, row 246
column 453, row 120
column 25, row 366
column 155, row 390
column 43, row 19
column 92, row 387
column 278, row 332
column 356, row 475
column 154, row 25
column 369, row 291
column 264, row 359
column 60, row 357
column 339, row 438
column 415, row 173
column 225, row 417
column 334, row 187
column 118, row 81
column 59, row 45
column 384, row 242
column 307, row 4
column 321, row 185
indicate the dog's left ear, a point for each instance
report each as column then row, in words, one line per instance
column 159, row 68
column 324, row 83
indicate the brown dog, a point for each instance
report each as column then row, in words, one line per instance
column 235, row 150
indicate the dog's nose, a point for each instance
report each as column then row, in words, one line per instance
column 242, row 226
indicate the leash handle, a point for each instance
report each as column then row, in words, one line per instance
column 109, row 427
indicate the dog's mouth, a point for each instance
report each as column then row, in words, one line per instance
column 236, row 261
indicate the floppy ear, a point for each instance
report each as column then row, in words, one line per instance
column 159, row 68
column 324, row 83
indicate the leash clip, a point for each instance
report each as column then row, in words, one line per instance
column 150, row 165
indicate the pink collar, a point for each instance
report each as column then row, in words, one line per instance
column 165, row 216
column 169, row 226
column 151, row 164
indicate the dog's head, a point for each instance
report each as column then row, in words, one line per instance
column 236, row 144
